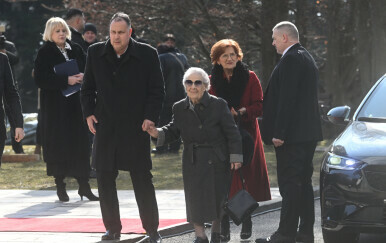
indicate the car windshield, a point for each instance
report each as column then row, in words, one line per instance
column 374, row 108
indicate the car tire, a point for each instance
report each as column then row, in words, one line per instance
column 339, row 237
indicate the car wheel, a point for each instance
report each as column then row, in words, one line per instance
column 339, row 237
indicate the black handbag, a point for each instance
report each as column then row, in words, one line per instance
column 247, row 142
column 241, row 205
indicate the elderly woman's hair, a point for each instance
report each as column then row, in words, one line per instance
column 52, row 24
column 219, row 48
column 199, row 71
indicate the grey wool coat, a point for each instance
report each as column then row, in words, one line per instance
column 211, row 141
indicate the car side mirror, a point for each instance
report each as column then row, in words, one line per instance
column 339, row 115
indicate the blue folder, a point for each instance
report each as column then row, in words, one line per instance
column 68, row 68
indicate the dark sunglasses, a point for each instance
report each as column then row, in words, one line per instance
column 196, row 83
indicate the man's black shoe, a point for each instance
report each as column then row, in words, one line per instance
column 154, row 237
column 277, row 238
column 201, row 240
column 109, row 235
column 304, row 238
column 158, row 151
column 92, row 174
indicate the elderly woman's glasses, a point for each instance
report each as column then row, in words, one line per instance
column 196, row 83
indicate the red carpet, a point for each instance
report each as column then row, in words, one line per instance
column 90, row 225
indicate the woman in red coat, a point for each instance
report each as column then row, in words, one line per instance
column 240, row 87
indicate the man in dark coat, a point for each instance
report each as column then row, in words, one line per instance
column 173, row 66
column 121, row 97
column 90, row 34
column 10, row 50
column 291, row 122
column 75, row 20
column 9, row 93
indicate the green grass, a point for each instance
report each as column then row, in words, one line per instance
column 167, row 172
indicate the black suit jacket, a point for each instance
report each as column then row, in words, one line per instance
column 290, row 106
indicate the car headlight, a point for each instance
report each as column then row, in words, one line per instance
column 342, row 163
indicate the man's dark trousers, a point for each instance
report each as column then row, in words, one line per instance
column 144, row 194
column 294, row 170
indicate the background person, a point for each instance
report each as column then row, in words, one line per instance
column 9, row 49
column 64, row 132
column 173, row 66
column 233, row 81
column 212, row 146
column 90, row 34
column 121, row 97
column 291, row 122
column 9, row 93
column 75, row 20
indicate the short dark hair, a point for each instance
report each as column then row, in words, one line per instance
column 169, row 37
column 72, row 12
column 120, row 16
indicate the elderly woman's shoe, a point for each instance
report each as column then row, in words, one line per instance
column 225, row 229
column 215, row 238
column 201, row 240
column 246, row 229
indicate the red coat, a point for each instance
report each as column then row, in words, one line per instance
column 255, row 174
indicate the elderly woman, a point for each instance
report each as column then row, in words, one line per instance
column 9, row 92
column 64, row 132
column 233, row 81
column 212, row 146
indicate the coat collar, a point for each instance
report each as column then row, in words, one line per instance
column 204, row 100
column 132, row 49
column 294, row 46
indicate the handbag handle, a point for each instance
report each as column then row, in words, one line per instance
column 241, row 178
column 238, row 118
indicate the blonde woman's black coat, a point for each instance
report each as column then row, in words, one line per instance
column 64, row 132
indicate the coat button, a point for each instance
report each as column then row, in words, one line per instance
column 114, row 73
column 210, row 162
column 200, row 126
column 201, row 108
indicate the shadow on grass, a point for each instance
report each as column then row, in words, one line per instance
column 167, row 172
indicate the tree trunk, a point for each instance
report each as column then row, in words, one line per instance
column 378, row 24
column 302, row 20
column 332, row 77
column 364, row 40
column 273, row 11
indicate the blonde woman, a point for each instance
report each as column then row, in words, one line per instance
column 64, row 131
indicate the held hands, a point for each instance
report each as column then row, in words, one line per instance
column 19, row 134
column 236, row 166
column 149, row 127
column 242, row 111
column 277, row 142
column 75, row 79
column 91, row 120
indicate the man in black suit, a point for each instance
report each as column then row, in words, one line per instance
column 76, row 21
column 291, row 122
column 121, row 97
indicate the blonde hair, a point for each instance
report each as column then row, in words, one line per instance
column 52, row 24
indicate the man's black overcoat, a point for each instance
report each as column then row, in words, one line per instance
column 121, row 97
column 290, row 106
